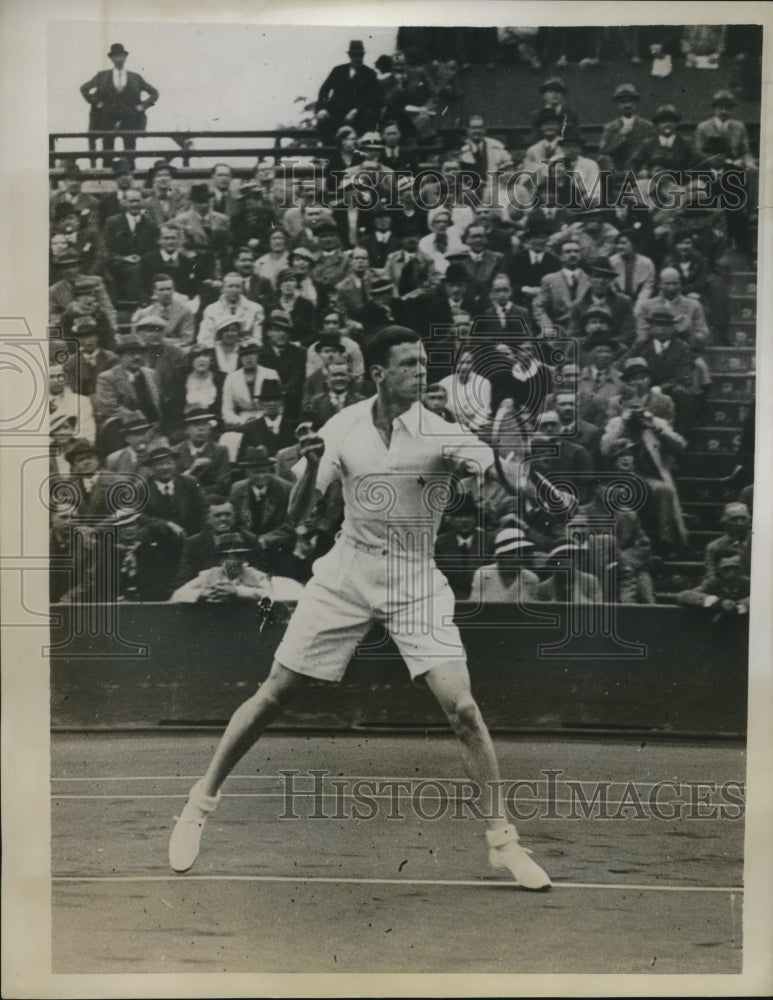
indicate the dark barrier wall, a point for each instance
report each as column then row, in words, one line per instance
column 657, row 670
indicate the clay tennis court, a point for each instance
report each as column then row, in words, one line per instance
column 406, row 894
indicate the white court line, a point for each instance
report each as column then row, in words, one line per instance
column 539, row 779
column 466, row 883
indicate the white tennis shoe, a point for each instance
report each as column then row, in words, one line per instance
column 185, row 841
column 506, row 854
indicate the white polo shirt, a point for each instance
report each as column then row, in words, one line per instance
column 396, row 495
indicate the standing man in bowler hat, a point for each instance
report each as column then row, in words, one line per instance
column 349, row 95
column 118, row 100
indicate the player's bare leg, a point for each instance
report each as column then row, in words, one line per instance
column 450, row 685
column 244, row 728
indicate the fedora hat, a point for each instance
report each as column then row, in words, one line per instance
column 200, row 194
column 271, row 389
column 662, row 315
column 601, row 265
column 257, row 458
column 116, row 49
column 197, row 415
column 69, row 257
column 549, row 115
column 626, row 92
column 232, row 544
column 150, row 322
column 380, row 283
column 633, row 366
column 125, row 516
column 601, row 338
column 456, row 272
column 597, row 312
column 553, row 83
column 79, row 448
column 666, row 113
column 130, row 342
column 279, row 319
column 356, row 48
column 723, row 97
column 136, row 421
column 158, row 451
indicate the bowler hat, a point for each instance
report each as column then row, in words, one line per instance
column 356, row 48
column 200, row 194
column 666, row 113
column 633, row 366
column 597, row 312
column 116, row 49
column 249, row 347
column 601, row 265
column 723, row 97
column 258, row 458
column 130, row 342
column 329, row 342
column 158, row 451
column 136, row 421
column 620, row 447
column 271, row 389
column 626, row 92
column 232, row 544
column 79, row 448
column 456, row 273
column 279, row 319
column 553, row 83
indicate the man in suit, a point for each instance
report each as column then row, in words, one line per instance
column 723, row 127
column 498, row 315
column 394, row 155
column 673, row 151
column 340, row 393
column 164, row 201
column 383, row 240
column 461, row 546
column 178, row 326
column 600, row 295
column 623, row 135
column 232, row 304
column 201, row 458
column 353, row 292
column 572, row 426
column 138, row 433
column 349, row 94
column 481, row 263
column 403, row 266
column 127, row 237
column 87, row 484
column 286, row 359
column 532, row 261
column 485, row 156
column 260, row 501
column 635, row 272
column 112, row 203
column 671, row 366
column 222, row 198
column 90, row 360
column 554, row 93
column 560, row 290
column 691, row 323
column 118, row 100
column 173, row 498
column 200, row 550
column 84, row 205
column 547, row 149
column 205, row 233
column 171, row 365
column 273, row 429
column 125, row 388
column 63, row 292
column 169, row 258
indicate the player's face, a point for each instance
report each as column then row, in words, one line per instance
column 405, row 374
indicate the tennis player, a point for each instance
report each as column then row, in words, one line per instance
column 392, row 456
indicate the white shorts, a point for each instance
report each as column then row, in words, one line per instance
column 353, row 587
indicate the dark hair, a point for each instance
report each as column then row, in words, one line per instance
column 163, row 277
column 286, row 275
column 240, row 250
column 226, row 165
column 380, row 343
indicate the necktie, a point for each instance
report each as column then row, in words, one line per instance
column 144, row 399
column 572, row 280
column 629, row 289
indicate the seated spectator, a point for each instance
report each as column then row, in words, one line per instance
column 173, row 498
column 178, row 327
column 301, row 263
column 571, row 459
column 228, row 346
column 634, row 584
column 498, row 316
column 85, row 239
column 271, row 264
column 690, row 318
column 231, row 580
column 383, row 240
column 260, row 501
column 554, row 94
column 468, row 393
column 711, row 289
column 138, row 433
column 201, row 458
column 204, row 383
column 252, row 219
column 142, row 567
column 273, row 429
column 673, row 151
column 128, row 237
column 435, row 399
column 639, row 390
column 241, row 394
column 182, row 266
column 87, row 485
column 200, row 551
column 508, row 580
column 243, row 264
column 339, row 394
column 571, row 425
column 409, row 101
column 724, row 593
column 479, row 152
column 600, row 378
column 382, row 307
column 164, row 202
column 635, row 272
column 443, row 240
column 395, row 154
column 547, row 149
column 353, row 292
column 567, row 583
column 235, row 307
column 286, row 359
column 595, row 233
column 527, row 266
column 581, row 172
column 63, row 292
column 320, row 353
column 72, row 195
column 636, row 442
column 63, row 402
column 730, row 130
column 461, row 546
column 560, row 290
column 171, row 365
column 84, row 312
column 128, row 386
column 736, row 540
column 481, row 263
column 205, row 233
column 61, row 431
column 112, row 203
column 332, row 263
column 703, row 45
column 292, row 303
column 627, row 132
column 601, row 295
column 404, row 265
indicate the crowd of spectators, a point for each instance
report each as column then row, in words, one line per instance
column 201, row 330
